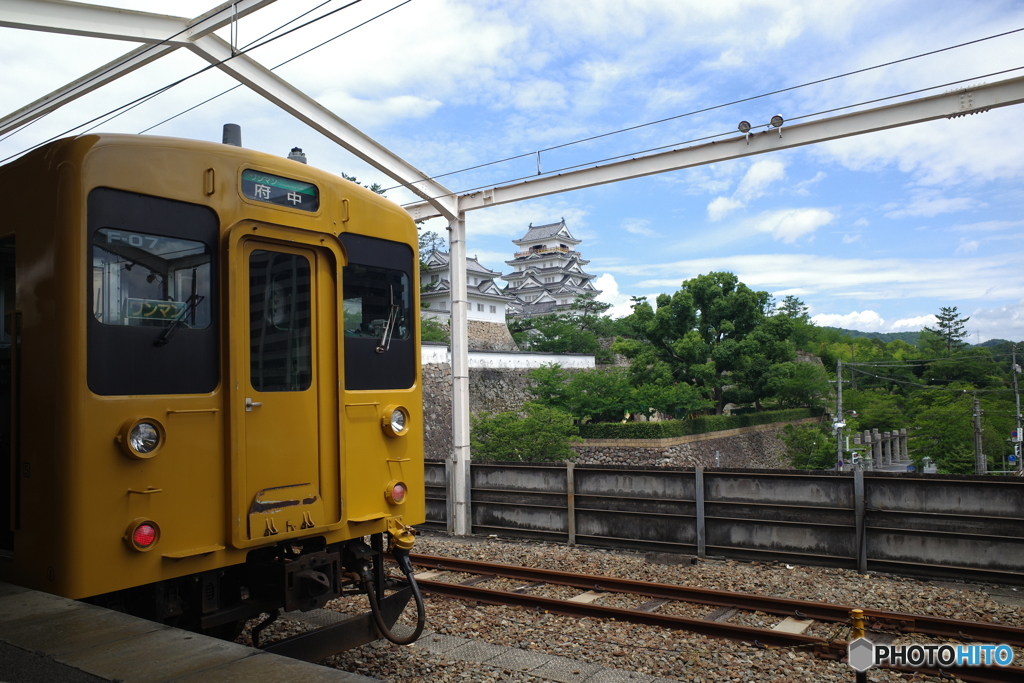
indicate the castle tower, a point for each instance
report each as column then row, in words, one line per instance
column 547, row 272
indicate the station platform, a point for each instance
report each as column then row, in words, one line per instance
column 45, row 638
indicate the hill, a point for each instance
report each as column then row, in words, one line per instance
column 884, row 337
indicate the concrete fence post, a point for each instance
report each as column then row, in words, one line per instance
column 887, row 448
column 698, row 489
column 570, row 500
column 858, row 511
column 876, row 448
column 449, row 508
column 904, row 455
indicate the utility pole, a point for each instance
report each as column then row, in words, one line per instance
column 1017, row 450
column 980, row 465
column 839, row 412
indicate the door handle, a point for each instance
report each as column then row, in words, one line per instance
column 250, row 404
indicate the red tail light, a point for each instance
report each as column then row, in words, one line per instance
column 144, row 535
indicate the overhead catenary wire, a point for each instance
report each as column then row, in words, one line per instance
column 291, row 59
column 638, row 154
column 718, row 106
column 119, row 64
column 139, row 100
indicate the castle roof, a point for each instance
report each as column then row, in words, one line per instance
column 542, row 232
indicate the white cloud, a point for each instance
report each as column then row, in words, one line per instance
column 967, row 247
column 864, row 222
column 511, row 220
column 850, row 239
column 863, row 321
column 638, row 226
column 720, row 207
column 759, row 177
column 801, row 187
column 1001, row 322
column 951, row 279
column 789, row 225
column 755, row 184
column 931, row 204
column 621, row 303
column 913, row 324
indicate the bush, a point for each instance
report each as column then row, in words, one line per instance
column 698, row 425
column 544, row 434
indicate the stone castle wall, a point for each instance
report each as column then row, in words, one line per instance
column 496, row 390
column 488, row 336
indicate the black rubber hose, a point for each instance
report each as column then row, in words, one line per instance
column 402, row 558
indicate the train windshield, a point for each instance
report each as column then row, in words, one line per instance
column 146, row 280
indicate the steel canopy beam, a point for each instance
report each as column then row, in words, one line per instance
column 271, row 86
column 57, row 17
column 961, row 102
column 60, row 16
column 95, row 21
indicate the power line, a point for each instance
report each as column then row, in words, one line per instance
column 930, row 386
column 720, row 106
column 306, row 52
column 563, row 169
column 136, row 102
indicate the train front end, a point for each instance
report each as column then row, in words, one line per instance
column 214, row 385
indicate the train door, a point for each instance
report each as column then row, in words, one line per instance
column 9, row 446
column 287, row 385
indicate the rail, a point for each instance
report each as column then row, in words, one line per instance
column 759, row 637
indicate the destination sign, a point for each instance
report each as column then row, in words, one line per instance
column 153, row 309
column 273, row 189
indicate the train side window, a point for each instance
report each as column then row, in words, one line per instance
column 280, row 344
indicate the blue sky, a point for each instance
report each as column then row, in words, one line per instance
column 874, row 232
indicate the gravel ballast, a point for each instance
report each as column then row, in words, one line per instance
column 601, row 651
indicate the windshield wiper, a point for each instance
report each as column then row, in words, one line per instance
column 190, row 306
column 389, row 326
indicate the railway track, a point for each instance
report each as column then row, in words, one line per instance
column 797, row 615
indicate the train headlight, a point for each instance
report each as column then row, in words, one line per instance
column 142, row 534
column 395, row 492
column 144, row 438
column 141, row 438
column 395, row 421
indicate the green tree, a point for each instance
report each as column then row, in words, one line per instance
column 951, row 327
column 697, row 331
column 433, row 331
column 375, row 187
column 809, row 447
column 798, row 385
column 796, row 311
column 430, row 241
column 543, row 434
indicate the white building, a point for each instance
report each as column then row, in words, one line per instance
column 487, row 303
column 547, row 272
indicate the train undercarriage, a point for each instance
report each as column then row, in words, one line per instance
column 295, row 576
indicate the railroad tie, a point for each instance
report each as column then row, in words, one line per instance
column 477, row 579
column 722, row 614
column 652, row 605
column 793, row 625
column 587, row 598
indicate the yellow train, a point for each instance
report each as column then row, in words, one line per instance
column 210, row 369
